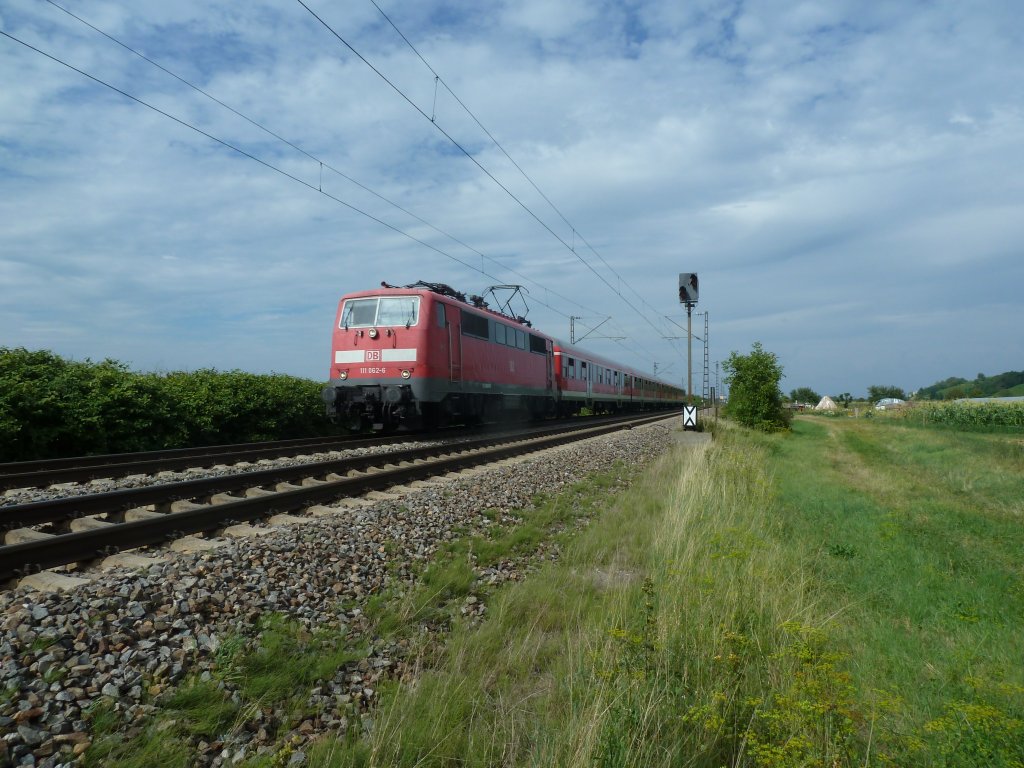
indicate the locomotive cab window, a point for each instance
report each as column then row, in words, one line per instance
column 440, row 315
column 398, row 310
column 383, row 310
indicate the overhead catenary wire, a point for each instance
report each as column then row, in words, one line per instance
column 476, row 162
column 322, row 164
column 318, row 187
column 525, row 175
column 228, row 145
column 239, row 150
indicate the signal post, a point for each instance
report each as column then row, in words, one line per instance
column 688, row 292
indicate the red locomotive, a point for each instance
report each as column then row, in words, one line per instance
column 424, row 356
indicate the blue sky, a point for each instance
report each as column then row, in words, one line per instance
column 847, row 178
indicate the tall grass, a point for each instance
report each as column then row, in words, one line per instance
column 725, row 659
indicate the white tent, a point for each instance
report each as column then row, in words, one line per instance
column 826, row 404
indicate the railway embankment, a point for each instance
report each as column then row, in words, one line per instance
column 105, row 658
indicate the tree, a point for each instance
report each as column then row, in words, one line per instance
column 844, row 399
column 755, row 399
column 877, row 392
column 804, row 395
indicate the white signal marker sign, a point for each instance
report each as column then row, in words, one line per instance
column 689, row 417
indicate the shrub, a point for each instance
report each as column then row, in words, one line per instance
column 53, row 407
column 754, row 397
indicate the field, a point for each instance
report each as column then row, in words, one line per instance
column 850, row 594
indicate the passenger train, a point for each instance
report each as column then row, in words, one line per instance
column 424, row 356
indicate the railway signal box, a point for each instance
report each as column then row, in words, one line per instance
column 688, row 288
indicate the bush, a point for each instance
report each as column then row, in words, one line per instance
column 755, row 399
column 52, row 407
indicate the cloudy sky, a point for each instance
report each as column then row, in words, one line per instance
column 846, row 178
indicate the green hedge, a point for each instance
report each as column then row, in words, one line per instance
column 52, row 407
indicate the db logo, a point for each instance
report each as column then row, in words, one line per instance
column 372, row 354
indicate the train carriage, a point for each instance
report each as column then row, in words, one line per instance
column 588, row 381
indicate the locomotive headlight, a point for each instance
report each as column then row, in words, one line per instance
column 406, row 374
column 343, row 375
column 373, row 333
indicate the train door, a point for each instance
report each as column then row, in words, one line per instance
column 549, row 367
column 590, row 383
column 452, row 324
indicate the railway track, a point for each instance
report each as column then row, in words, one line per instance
column 80, row 469
column 36, row 474
column 81, row 529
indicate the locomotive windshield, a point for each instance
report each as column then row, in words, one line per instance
column 383, row 310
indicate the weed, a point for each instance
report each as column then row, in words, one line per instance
column 843, row 551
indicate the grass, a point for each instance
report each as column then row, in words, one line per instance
column 850, row 594
column 933, row 598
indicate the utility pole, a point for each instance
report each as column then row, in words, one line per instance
column 688, row 290
column 689, row 353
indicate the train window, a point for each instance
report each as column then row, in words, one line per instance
column 499, row 333
column 537, row 344
column 384, row 310
column 359, row 312
column 440, row 315
column 398, row 310
column 474, row 325
column 520, row 338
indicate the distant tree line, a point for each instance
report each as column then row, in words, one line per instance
column 953, row 388
column 51, row 407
